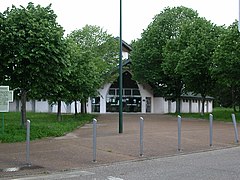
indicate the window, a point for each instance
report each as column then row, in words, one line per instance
column 96, row 104
column 136, row 92
column 127, row 92
column 111, row 92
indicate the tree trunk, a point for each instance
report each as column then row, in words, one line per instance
column 233, row 100
column 179, row 87
column 17, row 105
column 75, row 107
column 203, row 106
column 83, row 106
column 234, row 108
column 59, row 111
column 178, row 105
column 23, row 107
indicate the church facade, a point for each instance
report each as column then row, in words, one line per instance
column 139, row 98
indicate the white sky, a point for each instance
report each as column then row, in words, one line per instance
column 137, row 14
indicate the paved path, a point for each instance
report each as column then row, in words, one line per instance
column 215, row 165
column 75, row 149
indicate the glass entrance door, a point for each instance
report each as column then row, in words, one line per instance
column 131, row 100
column 148, row 104
column 132, row 104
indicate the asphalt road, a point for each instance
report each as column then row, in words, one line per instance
column 218, row 164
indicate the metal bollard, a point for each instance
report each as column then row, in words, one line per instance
column 210, row 128
column 235, row 128
column 179, row 132
column 141, row 135
column 28, row 144
column 94, row 140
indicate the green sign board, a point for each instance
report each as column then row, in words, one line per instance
column 6, row 96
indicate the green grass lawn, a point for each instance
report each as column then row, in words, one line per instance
column 42, row 125
column 46, row 125
column 219, row 114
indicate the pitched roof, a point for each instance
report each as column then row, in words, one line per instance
column 125, row 45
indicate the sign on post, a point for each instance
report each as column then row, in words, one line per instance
column 6, row 96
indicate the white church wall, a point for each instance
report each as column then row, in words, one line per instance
column 103, row 95
column 125, row 55
column 170, row 106
column 89, row 105
column 194, row 106
column 173, row 107
column 185, row 106
column 158, row 105
column 41, row 106
column 63, row 108
column 13, row 106
column 210, row 106
column 165, row 105
column 73, row 107
column 145, row 92
column 29, row 105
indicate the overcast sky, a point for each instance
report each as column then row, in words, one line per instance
column 137, row 14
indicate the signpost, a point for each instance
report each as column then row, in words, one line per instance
column 6, row 96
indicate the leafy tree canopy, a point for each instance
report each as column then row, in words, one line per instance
column 226, row 62
column 32, row 49
column 147, row 55
column 190, row 56
column 93, row 56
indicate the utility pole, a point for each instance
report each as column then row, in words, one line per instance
column 120, row 74
column 239, row 15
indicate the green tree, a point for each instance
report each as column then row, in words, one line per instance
column 147, row 56
column 94, row 54
column 226, row 62
column 32, row 50
column 3, row 62
column 190, row 56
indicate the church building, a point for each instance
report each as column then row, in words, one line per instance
column 137, row 98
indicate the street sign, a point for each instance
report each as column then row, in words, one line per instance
column 6, row 96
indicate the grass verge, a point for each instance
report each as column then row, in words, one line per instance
column 219, row 114
column 42, row 125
